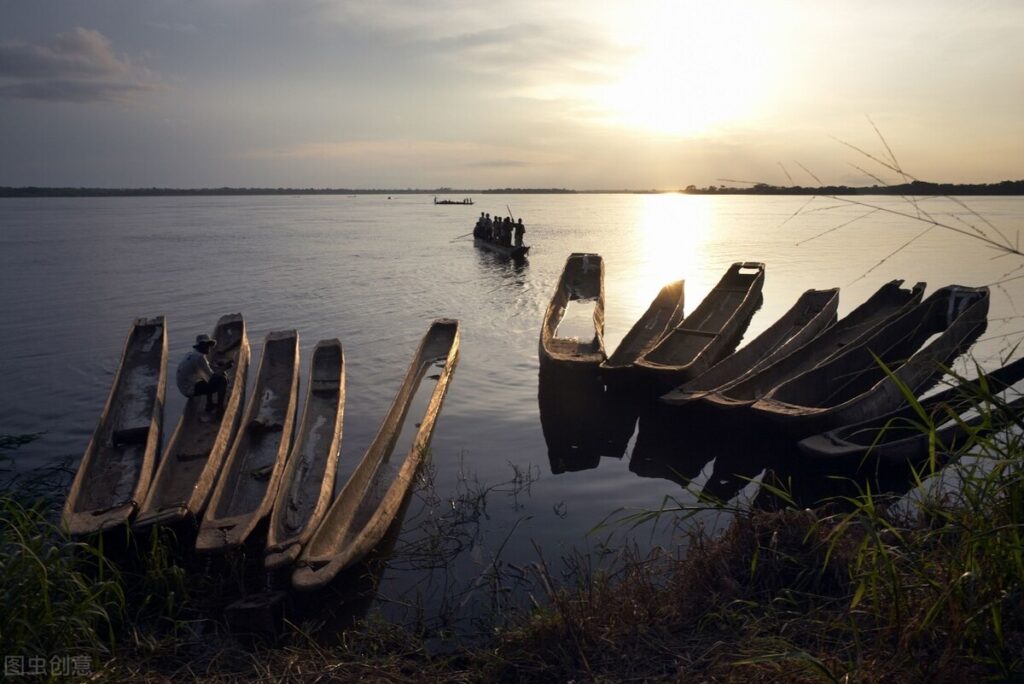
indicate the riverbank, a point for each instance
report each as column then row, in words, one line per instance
column 865, row 588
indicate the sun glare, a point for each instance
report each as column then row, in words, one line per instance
column 671, row 231
column 697, row 66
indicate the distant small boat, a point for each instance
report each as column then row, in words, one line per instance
column 662, row 315
column 890, row 301
column 308, row 481
column 191, row 461
column 504, row 250
column 117, row 466
column 467, row 201
column 361, row 514
column 901, row 438
column 707, row 334
column 853, row 387
column 813, row 312
column 582, row 280
column 252, row 472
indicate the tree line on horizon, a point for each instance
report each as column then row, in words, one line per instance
column 1006, row 187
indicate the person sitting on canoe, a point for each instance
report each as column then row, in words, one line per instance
column 520, row 231
column 196, row 378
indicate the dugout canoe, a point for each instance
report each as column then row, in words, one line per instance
column 664, row 314
column 887, row 303
column 192, row 459
column 813, row 312
column 361, row 514
column 308, row 481
column 582, row 280
column 117, row 466
column 252, row 472
column 512, row 252
column 707, row 334
column 864, row 382
column 904, row 437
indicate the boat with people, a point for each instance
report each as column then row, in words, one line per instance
column 117, row 466
column 581, row 282
column 888, row 303
column 192, row 459
column 512, row 252
column 359, row 517
column 663, row 314
column 868, row 380
column 466, row 201
column 252, row 472
column 709, row 333
column 813, row 312
column 940, row 423
column 308, row 480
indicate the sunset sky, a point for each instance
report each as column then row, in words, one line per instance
column 472, row 94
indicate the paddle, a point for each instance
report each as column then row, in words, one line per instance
column 461, row 236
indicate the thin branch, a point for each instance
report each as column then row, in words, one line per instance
column 895, row 252
column 835, row 228
column 785, row 171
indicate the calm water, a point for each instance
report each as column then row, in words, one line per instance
column 374, row 272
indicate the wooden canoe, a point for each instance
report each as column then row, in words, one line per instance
column 503, row 250
column 903, row 437
column 813, row 312
column 865, row 381
column 664, row 314
column 367, row 505
column 308, row 481
column 709, row 333
column 192, row 459
column 582, row 280
column 252, row 472
column 889, row 302
column 116, row 468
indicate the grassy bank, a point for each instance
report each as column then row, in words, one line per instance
column 862, row 588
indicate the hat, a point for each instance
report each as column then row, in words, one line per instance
column 203, row 340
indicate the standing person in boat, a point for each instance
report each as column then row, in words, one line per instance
column 478, row 229
column 520, row 231
column 196, row 378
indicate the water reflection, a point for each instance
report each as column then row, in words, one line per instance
column 580, row 421
column 512, row 271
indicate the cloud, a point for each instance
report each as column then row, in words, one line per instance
column 77, row 66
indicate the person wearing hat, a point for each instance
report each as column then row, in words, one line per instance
column 196, row 378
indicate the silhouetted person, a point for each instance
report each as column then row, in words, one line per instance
column 520, row 231
column 196, row 378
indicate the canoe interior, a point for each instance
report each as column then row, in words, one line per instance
column 715, row 325
column 813, row 312
column 192, row 459
column 856, row 372
column 116, row 468
column 253, row 468
column 308, row 480
column 889, row 302
column 664, row 313
column 366, row 507
column 582, row 280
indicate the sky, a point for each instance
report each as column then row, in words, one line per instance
column 645, row 94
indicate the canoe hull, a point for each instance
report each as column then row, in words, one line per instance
column 192, row 459
column 117, row 466
column 663, row 314
column 582, row 279
column 503, row 250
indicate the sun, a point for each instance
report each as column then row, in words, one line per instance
column 697, row 67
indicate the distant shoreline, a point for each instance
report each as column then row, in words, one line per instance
column 1007, row 187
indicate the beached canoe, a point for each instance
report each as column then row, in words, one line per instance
column 504, row 250
column 904, row 437
column 361, row 514
column 252, row 472
column 813, row 312
column 192, row 459
column 308, row 481
column 582, row 281
column 889, row 302
column 115, row 472
column 864, row 382
column 710, row 332
column 664, row 314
